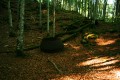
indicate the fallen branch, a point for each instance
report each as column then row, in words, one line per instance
column 32, row 47
column 73, row 31
column 55, row 66
column 74, row 34
column 69, row 37
column 9, row 51
column 26, row 49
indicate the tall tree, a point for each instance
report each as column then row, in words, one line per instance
column 40, row 15
column 79, row 6
column 11, row 31
column 76, row 5
column 96, row 9
column 48, row 17
column 20, row 44
column 69, row 2
column 54, row 18
column 85, row 5
column 104, row 9
column 117, row 9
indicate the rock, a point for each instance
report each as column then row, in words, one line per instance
column 51, row 45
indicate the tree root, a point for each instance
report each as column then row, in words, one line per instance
column 60, row 72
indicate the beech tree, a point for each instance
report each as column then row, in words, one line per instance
column 20, row 33
column 104, row 9
column 11, row 31
column 54, row 18
column 117, row 10
column 48, row 17
column 40, row 15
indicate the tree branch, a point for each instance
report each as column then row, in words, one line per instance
column 55, row 66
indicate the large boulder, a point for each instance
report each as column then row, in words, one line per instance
column 51, row 45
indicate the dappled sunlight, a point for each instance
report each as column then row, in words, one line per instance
column 109, row 75
column 71, row 77
column 105, row 68
column 103, row 63
column 117, row 73
column 93, row 75
column 103, row 42
column 94, row 61
column 76, row 47
column 106, row 63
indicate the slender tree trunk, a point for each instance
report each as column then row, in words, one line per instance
column 89, row 8
column 54, row 18
column 76, row 5
column 79, row 5
column 63, row 4
column 18, row 10
column 20, row 44
column 69, row 5
column 99, row 9
column 48, row 17
column 104, row 9
column 40, row 15
column 85, row 5
column 117, row 10
column 96, row 9
column 82, row 8
column 92, row 9
column 11, row 31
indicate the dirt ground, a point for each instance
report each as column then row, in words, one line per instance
column 77, row 62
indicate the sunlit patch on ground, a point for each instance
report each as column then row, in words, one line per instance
column 109, row 75
column 97, row 62
column 93, row 75
column 94, row 61
column 71, row 77
column 117, row 74
column 105, row 68
column 102, row 42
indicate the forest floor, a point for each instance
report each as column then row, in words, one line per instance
column 77, row 62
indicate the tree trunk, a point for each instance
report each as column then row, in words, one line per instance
column 96, row 9
column 54, row 18
column 117, row 10
column 11, row 32
column 40, row 15
column 20, row 44
column 85, row 5
column 48, row 17
column 104, row 9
